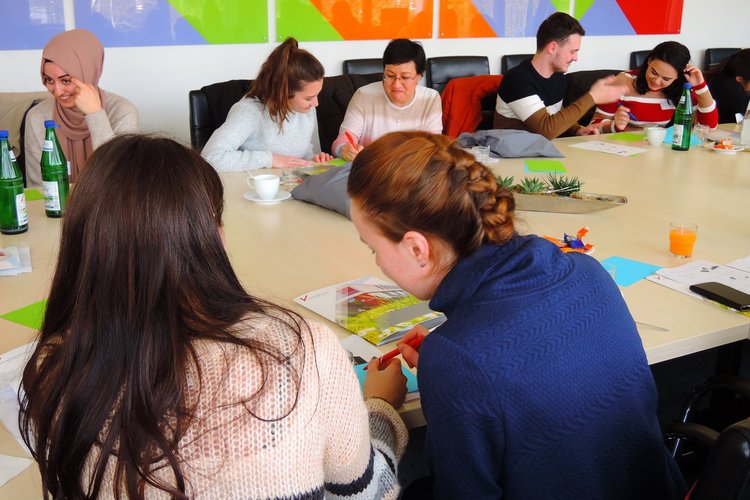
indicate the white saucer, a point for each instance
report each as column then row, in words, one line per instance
column 724, row 151
column 280, row 196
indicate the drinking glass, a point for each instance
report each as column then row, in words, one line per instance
column 290, row 177
column 682, row 237
column 701, row 131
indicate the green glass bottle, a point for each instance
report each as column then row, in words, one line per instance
column 13, row 216
column 683, row 121
column 54, row 172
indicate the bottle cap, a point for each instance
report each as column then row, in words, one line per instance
column 3, row 134
column 688, row 85
column 49, row 124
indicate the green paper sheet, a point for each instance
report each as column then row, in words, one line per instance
column 626, row 136
column 544, row 166
column 33, row 195
column 31, row 315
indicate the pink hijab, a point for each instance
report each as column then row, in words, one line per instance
column 81, row 55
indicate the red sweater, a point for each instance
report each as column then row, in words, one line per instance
column 652, row 110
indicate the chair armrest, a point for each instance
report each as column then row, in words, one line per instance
column 699, row 435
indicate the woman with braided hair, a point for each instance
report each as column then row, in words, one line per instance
column 537, row 385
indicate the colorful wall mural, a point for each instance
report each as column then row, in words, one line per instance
column 28, row 24
column 520, row 18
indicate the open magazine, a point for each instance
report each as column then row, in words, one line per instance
column 376, row 310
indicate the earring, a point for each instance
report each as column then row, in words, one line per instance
column 421, row 264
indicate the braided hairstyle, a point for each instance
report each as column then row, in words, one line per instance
column 426, row 182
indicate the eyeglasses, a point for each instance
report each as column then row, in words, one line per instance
column 402, row 79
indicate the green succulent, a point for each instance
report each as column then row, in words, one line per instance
column 564, row 186
column 532, row 185
column 506, row 182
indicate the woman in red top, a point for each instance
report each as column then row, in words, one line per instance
column 654, row 91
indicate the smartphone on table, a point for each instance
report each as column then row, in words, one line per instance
column 723, row 294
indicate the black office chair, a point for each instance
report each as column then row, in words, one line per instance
column 577, row 83
column 333, row 100
column 510, row 61
column 363, row 66
column 210, row 106
column 713, row 57
column 637, row 58
column 711, row 441
column 442, row 69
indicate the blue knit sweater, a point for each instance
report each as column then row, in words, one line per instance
column 537, row 385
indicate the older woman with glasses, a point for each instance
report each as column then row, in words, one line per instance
column 399, row 103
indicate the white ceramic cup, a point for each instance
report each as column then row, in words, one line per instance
column 655, row 135
column 266, row 186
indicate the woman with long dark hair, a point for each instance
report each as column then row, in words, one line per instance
column 155, row 371
column 730, row 85
column 273, row 125
column 654, row 91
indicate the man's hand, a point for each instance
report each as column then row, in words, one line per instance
column 588, row 130
column 606, row 90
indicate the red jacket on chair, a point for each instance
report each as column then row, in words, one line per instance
column 462, row 102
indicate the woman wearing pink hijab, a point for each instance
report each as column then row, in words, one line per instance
column 87, row 116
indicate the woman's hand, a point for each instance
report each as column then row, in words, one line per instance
column 322, row 158
column 87, row 97
column 284, row 161
column 349, row 152
column 621, row 118
column 385, row 381
column 411, row 355
column 693, row 75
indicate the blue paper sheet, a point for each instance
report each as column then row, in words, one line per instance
column 629, row 271
column 694, row 141
column 411, row 379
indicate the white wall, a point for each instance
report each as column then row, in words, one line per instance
column 157, row 79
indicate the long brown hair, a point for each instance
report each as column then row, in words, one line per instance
column 425, row 182
column 142, row 274
column 287, row 69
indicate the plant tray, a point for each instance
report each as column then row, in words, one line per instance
column 578, row 203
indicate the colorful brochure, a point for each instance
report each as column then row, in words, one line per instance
column 376, row 310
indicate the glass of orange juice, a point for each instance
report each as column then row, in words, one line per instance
column 682, row 239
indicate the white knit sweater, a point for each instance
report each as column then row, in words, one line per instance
column 249, row 137
column 332, row 444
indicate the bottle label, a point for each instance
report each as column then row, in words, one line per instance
column 22, row 215
column 48, row 145
column 677, row 134
column 51, row 196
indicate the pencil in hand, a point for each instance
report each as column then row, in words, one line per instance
column 413, row 343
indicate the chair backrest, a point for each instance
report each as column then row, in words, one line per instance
column 638, row 57
column 363, row 66
column 578, row 83
column 210, row 106
column 442, row 69
column 714, row 56
column 726, row 473
column 332, row 103
column 14, row 106
column 510, row 61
